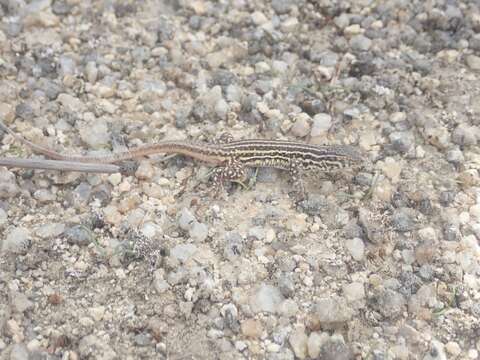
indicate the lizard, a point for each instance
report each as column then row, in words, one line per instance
column 231, row 157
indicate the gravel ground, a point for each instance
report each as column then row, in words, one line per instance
column 378, row 264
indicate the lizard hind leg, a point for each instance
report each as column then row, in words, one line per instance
column 297, row 181
column 231, row 171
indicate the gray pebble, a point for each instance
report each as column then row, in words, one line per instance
column 257, row 232
column 159, row 283
column 183, row 252
column 356, row 248
column 426, row 272
column 61, row 7
column 352, row 113
column 50, row 88
column 267, row 298
column 24, row 111
column 13, row 28
column 313, row 107
column 186, row 219
column 403, row 219
column 301, row 126
column 67, row 65
column 3, row 217
column 388, row 302
column 182, row 117
column 91, row 71
column 180, row 275
column 283, row 354
column 93, row 346
column 20, row 302
column 342, row 21
column 50, row 230
column 200, row 111
column 44, row 196
column 224, row 78
column 230, row 314
column 474, row 42
column 299, row 342
column 286, row 284
column 195, row 22
column 267, row 175
column 198, row 232
column 286, row 263
column 363, row 179
column 142, row 339
column 473, row 62
column 335, row 349
column 372, row 229
column 402, row 141
column 17, row 241
column 451, row 232
column 324, row 57
column 465, row 135
column 437, row 351
column 314, row 205
column 332, row 310
column 353, row 230
column 455, row 156
column 153, row 87
column 233, row 245
column 71, row 103
column 409, row 283
column 321, row 124
column 79, row 235
column 221, row 109
column 282, row 6
column 82, row 192
column 19, row 352
column 360, row 43
column 234, row 93
column 446, row 198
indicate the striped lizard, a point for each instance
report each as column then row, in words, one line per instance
column 232, row 156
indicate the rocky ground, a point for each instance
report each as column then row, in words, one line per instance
column 378, row 264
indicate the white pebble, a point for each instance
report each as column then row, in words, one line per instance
column 321, row 124
column 356, row 248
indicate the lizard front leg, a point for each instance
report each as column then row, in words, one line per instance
column 225, row 138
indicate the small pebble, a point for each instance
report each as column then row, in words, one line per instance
column 50, row 230
column 183, row 252
column 3, row 217
column 332, row 310
column 453, row 348
column 301, row 126
column 79, row 235
column 251, row 328
column 473, row 62
column 356, row 248
column 266, row 298
column 17, row 241
column 186, row 219
column 354, row 291
column 299, row 342
column 360, row 43
column 19, row 352
column 315, row 343
column 198, row 232
column 321, row 124
column 8, row 184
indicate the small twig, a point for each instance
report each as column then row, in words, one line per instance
column 58, row 165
